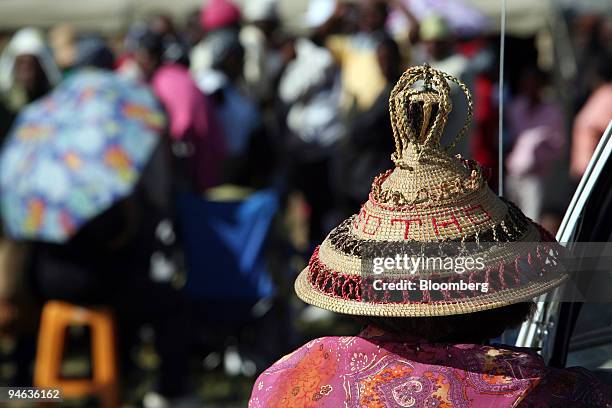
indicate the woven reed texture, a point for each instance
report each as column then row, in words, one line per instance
column 431, row 197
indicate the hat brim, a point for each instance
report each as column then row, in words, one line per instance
column 306, row 292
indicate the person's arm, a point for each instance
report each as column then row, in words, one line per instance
column 584, row 143
column 334, row 23
column 589, row 126
column 413, row 34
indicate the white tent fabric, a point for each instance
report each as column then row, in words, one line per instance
column 524, row 16
column 111, row 16
column 90, row 15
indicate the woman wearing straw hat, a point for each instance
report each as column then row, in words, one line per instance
column 435, row 265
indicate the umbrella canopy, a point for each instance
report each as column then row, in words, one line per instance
column 74, row 153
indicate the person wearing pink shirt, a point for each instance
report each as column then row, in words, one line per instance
column 592, row 120
column 538, row 138
column 196, row 134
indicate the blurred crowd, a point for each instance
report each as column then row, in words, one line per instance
column 252, row 106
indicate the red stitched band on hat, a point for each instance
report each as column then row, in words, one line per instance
column 528, row 268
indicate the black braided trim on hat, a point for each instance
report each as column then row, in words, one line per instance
column 514, row 225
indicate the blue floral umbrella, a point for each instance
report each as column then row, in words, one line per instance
column 74, row 153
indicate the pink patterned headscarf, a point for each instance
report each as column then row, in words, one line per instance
column 374, row 370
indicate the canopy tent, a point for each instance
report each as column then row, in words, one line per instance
column 524, row 17
column 107, row 16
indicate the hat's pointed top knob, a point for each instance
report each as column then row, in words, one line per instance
column 419, row 114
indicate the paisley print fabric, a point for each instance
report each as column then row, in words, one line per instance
column 374, row 370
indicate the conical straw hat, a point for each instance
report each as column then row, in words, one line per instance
column 441, row 203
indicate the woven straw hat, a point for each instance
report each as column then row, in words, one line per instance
column 431, row 198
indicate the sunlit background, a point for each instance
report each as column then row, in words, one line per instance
column 265, row 132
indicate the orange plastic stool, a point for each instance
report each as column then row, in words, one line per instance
column 56, row 318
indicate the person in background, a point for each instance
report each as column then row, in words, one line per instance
column 438, row 50
column 193, row 32
column 263, row 62
column 536, row 129
column 62, row 39
column 366, row 152
column 362, row 80
column 198, row 141
column 483, row 143
column 111, row 261
column 438, row 46
column 6, row 119
column 220, row 14
column 19, row 309
column 175, row 48
column 355, row 31
column 245, row 164
column 215, row 16
column 92, row 52
column 72, row 52
column 309, row 93
column 593, row 119
column 591, row 36
column 126, row 64
column 27, row 72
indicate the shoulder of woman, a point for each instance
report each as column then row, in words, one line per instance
column 316, row 362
